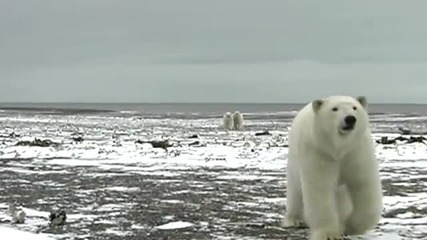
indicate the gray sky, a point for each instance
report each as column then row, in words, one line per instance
column 212, row 51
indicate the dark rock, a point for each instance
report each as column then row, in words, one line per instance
column 194, row 136
column 194, row 143
column 263, row 133
column 78, row 139
column 404, row 130
column 57, row 218
column 385, row 140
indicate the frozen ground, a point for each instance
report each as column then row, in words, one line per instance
column 229, row 186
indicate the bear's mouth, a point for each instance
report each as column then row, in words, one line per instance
column 348, row 128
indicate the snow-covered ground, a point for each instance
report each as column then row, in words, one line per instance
column 224, row 186
column 15, row 234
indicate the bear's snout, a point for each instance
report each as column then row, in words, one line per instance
column 350, row 121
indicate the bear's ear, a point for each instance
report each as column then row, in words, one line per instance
column 363, row 101
column 316, row 104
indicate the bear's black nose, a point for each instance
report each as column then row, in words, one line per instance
column 350, row 120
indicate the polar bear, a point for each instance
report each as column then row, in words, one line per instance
column 228, row 121
column 333, row 182
column 237, row 120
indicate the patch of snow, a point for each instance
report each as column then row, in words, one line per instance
column 175, row 225
column 8, row 233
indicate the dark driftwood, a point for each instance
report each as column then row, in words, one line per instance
column 38, row 143
column 157, row 144
column 411, row 139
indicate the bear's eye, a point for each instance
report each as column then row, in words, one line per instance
column 354, row 108
column 335, row 109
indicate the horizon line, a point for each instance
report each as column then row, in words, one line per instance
column 176, row 103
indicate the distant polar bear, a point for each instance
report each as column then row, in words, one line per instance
column 333, row 182
column 237, row 120
column 228, row 121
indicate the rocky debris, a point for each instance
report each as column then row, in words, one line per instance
column 57, row 218
column 11, row 135
column 407, row 131
column 404, row 130
column 156, row 144
column 38, row 143
column 78, row 139
column 194, row 143
column 263, row 133
column 174, row 153
column 385, row 140
column 419, row 139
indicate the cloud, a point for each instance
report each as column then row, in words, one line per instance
column 209, row 51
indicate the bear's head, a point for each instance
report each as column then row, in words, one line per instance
column 342, row 115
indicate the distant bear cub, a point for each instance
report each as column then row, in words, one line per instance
column 333, row 182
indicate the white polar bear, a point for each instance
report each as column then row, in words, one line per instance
column 237, row 120
column 333, row 182
column 228, row 121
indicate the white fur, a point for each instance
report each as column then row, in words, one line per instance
column 237, row 120
column 228, row 121
column 18, row 214
column 333, row 182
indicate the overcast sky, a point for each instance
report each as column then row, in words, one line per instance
column 212, row 51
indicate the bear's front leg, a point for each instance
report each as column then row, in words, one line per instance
column 364, row 186
column 367, row 207
column 319, row 181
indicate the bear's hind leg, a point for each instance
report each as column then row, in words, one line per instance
column 294, row 203
column 294, row 209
